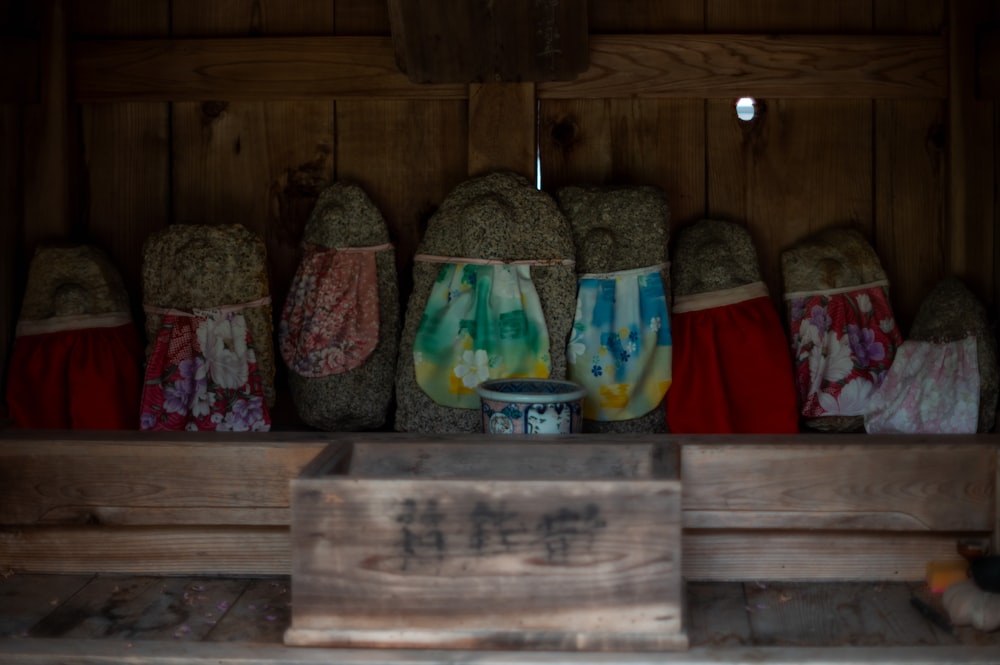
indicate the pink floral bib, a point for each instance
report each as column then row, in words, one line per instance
column 330, row 321
column 931, row 388
column 843, row 342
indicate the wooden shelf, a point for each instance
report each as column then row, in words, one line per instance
column 797, row 507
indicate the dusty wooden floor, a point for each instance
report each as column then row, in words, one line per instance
column 111, row 618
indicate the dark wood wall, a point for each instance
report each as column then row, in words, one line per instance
column 913, row 167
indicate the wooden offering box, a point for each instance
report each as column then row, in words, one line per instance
column 543, row 543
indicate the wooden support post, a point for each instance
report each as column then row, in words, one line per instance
column 972, row 212
column 502, row 128
column 48, row 161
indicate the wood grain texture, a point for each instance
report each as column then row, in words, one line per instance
column 646, row 66
column 800, row 165
column 119, row 608
column 94, row 610
column 871, row 487
column 910, row 175
column 767, row 173
column 158, row 652
column 259, row 164
column 536, row 559
column 261, row 613
column 440, row 41
column 725, row 555
column 734, row 65
column 408, row 156
column 162, row 550
column 125, row 147
column 502, row 128
column 20, row 608
column 861, row 614
column 245, row 69
column 627, row 142
column 178, row 480
column 717, row 614
column 972, row 146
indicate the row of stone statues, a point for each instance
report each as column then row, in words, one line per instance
column 666, row 334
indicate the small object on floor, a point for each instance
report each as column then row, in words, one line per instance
column 968, row 605
column 942, row 574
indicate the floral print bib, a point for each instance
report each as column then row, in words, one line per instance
column 330, row 321
column 620, row 349
column 482, row 321
column 202, row 374
column 843, row 343
column 931, row 388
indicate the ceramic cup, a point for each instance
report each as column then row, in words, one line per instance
column 531, row 406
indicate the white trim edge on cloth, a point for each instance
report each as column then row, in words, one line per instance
column 720, row 298
column 165, row 311
column 434, row 258
column 832, row 292
column 27, row 327
column 611, row 274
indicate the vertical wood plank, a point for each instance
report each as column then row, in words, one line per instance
column 125, row 146
column 502, row 128
column 11, row 261
column 910, row 170
column 407, row 156
column 972, row 202
column 253, row 163
column 259, row 164
column 799, row 165
column 629, row 141
column 49, row 160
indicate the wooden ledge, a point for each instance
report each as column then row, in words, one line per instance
column 798, row 507
column 37, row 651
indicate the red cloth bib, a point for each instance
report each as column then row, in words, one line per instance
column 84, row 378
column 732, row 371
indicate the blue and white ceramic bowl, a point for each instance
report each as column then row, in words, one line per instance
column 531, row 406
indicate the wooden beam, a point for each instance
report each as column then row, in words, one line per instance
column 45, row 651
column 245, row 69
column 159, row 550
column 884, row 484
column 786, row 66
column 646, row 66
column 18, row 71
column 721, row 555
column 122, row 478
